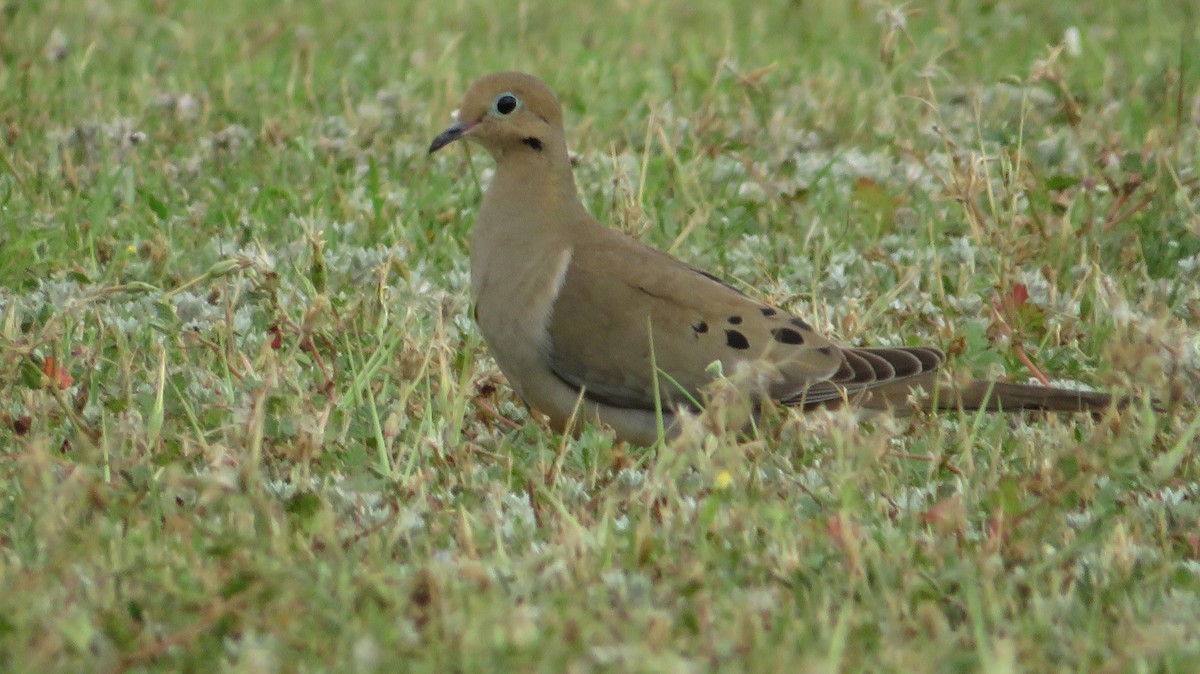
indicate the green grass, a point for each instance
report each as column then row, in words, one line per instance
column 247, row 424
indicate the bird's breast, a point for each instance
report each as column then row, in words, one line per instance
column 514, row 297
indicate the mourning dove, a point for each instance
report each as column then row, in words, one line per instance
column 589, row 324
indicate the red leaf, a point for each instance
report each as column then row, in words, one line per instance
column 59, row 375
column 1016, row 297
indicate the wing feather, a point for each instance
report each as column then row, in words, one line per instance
column 642, row 310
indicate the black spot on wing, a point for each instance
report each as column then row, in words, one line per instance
column 736, row 340
column 700, row 327
column 800, row 324
column 787, row 336
column 767, row 311
column 735, row 320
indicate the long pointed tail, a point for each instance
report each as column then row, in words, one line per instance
column 990, row 396
column 994, row 396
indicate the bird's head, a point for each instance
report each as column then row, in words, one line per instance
column 505, row 113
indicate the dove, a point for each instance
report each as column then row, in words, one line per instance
column 590, row 325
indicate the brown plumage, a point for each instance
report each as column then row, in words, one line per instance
column 578, row 316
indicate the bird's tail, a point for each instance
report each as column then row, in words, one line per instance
column 990, row 396
column 994, row 396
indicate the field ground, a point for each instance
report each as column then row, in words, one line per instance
column 246, row 423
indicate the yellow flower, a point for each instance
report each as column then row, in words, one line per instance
column 723, row 480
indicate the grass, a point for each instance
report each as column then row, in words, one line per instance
column 248, row 425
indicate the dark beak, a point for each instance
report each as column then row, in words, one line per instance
column 451, row 134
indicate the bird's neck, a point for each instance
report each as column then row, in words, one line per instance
column 529, row 184
column 529, row 222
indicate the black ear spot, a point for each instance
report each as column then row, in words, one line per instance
column 768, row 311
column 533, row 143
column 735, row 320
column 800, row 324
column 736, row 340
column 787, row 336
column 700, row 327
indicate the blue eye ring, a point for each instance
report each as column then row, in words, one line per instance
column 505, row 104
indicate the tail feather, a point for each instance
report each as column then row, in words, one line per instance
column 989, row 396
column 993, row 396
column 887, row 378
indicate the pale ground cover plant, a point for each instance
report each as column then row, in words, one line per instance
column 248, row 425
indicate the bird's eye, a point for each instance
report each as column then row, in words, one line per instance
column 506, row 104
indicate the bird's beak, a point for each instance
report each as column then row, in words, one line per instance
column 451, row 134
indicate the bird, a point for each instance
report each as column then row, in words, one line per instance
column 589, row 325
